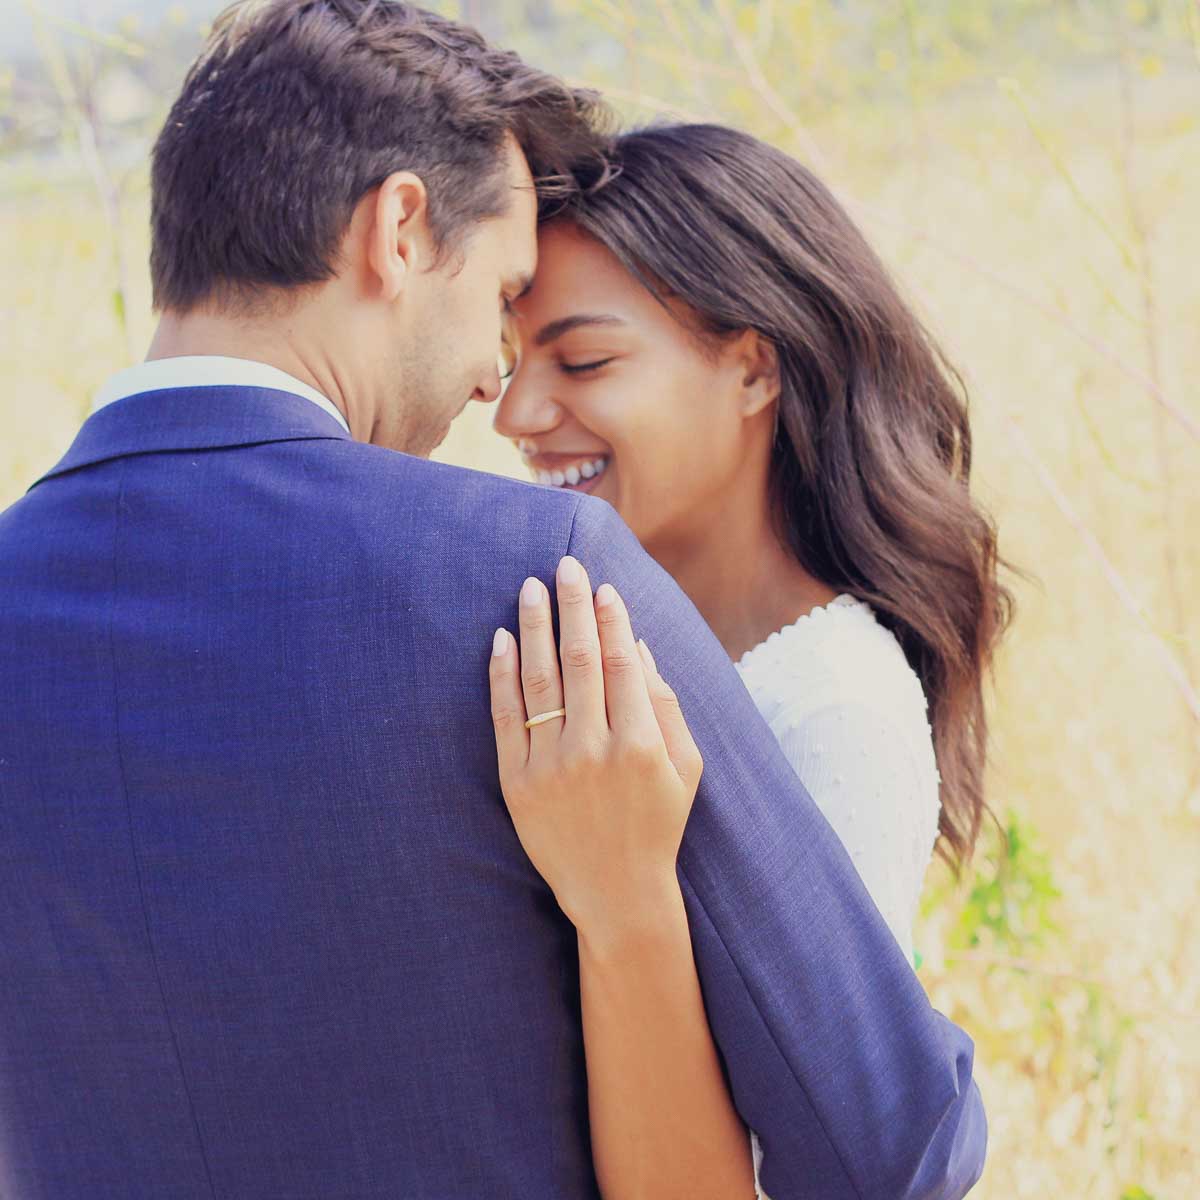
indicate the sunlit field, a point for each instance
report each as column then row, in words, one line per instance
column 1031, row 172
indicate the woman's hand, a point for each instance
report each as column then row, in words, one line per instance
column 599, row 797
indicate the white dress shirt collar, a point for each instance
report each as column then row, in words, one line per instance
column 207, row 370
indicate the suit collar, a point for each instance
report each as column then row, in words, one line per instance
column 207, row 370
column 195, row 418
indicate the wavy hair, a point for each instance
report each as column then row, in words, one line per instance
column 871, row 462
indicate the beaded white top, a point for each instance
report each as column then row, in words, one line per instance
column 851, row 716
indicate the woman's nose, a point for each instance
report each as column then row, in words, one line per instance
column 522, row 412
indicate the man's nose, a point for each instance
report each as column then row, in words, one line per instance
column 525, row 410
column 487, row 391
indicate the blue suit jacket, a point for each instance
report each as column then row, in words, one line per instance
column 266, row 929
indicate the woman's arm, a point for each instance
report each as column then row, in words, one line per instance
column 825, row 1032
column 599, row 795
column 824, row 1029
column 662, row 1121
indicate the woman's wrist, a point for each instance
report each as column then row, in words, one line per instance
column 635, row 922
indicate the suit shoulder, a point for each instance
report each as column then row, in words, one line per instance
column 472, row 493
column 456, row 506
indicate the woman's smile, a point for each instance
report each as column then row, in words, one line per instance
column 609, row 393
column 571, row 472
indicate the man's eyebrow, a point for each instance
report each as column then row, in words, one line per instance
column 565, row 324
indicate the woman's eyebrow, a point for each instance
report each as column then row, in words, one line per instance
column 564, row 324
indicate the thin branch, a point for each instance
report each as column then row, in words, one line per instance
column 81, row 110
column 1012, row 88
column 110, row 41
column 1111, row 462
column 694, row 68
column 1111, row 575
column 759, row 82
column 1145, row 275
column 694, row 71
column 765, row 28
column 92, row 148
column 629, row 40
column 644, row 100
column 1185, row 420
column 1029, row 966
column 607, row 9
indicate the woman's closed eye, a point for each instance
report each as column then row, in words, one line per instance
column 508, row 343
column 581, row 368
column 507, row 359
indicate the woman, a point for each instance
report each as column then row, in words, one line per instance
column 712, row 347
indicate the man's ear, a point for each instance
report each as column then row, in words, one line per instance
column 399, row 234
column 758, row 361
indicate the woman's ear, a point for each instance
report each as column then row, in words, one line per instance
column 759, row 363
column 398, row 232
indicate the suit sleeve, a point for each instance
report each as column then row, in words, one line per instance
column 855, row 1086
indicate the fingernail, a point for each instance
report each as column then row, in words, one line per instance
column 531, row 591
column 605, row 595
column 568, row 570
column 499, row 643
column 647, row 657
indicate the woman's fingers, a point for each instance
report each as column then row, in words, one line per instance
column 508, row 705
column 681, row 746
column 541, row 682
column 628, row 702
column 579, row 649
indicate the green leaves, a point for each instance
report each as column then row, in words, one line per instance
column 1010, row 905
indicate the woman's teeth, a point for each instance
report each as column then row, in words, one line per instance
column 574, row 473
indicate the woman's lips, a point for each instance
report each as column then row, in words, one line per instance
column 569, row 472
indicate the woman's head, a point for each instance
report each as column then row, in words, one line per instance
column 613, row 376
column 743, row 287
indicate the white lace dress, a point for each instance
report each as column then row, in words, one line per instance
column 851, row 716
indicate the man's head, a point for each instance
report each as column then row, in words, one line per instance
column 351, row 187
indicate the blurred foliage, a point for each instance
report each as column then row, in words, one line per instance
column 1028, row 168
column 1010, row 903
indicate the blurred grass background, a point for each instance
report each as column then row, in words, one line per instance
column 1029, row 169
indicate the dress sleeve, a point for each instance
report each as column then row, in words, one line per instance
column 874, row 778
column 756, row 1156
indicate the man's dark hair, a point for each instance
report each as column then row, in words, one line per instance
column 295, row 109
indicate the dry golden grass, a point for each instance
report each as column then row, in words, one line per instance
column 1048, row 234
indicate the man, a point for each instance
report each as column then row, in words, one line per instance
column 266, row 929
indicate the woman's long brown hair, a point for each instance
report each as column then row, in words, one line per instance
column 871, row 462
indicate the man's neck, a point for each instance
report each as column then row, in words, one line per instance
column 206, row 334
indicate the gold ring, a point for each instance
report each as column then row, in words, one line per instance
column 546, row 716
